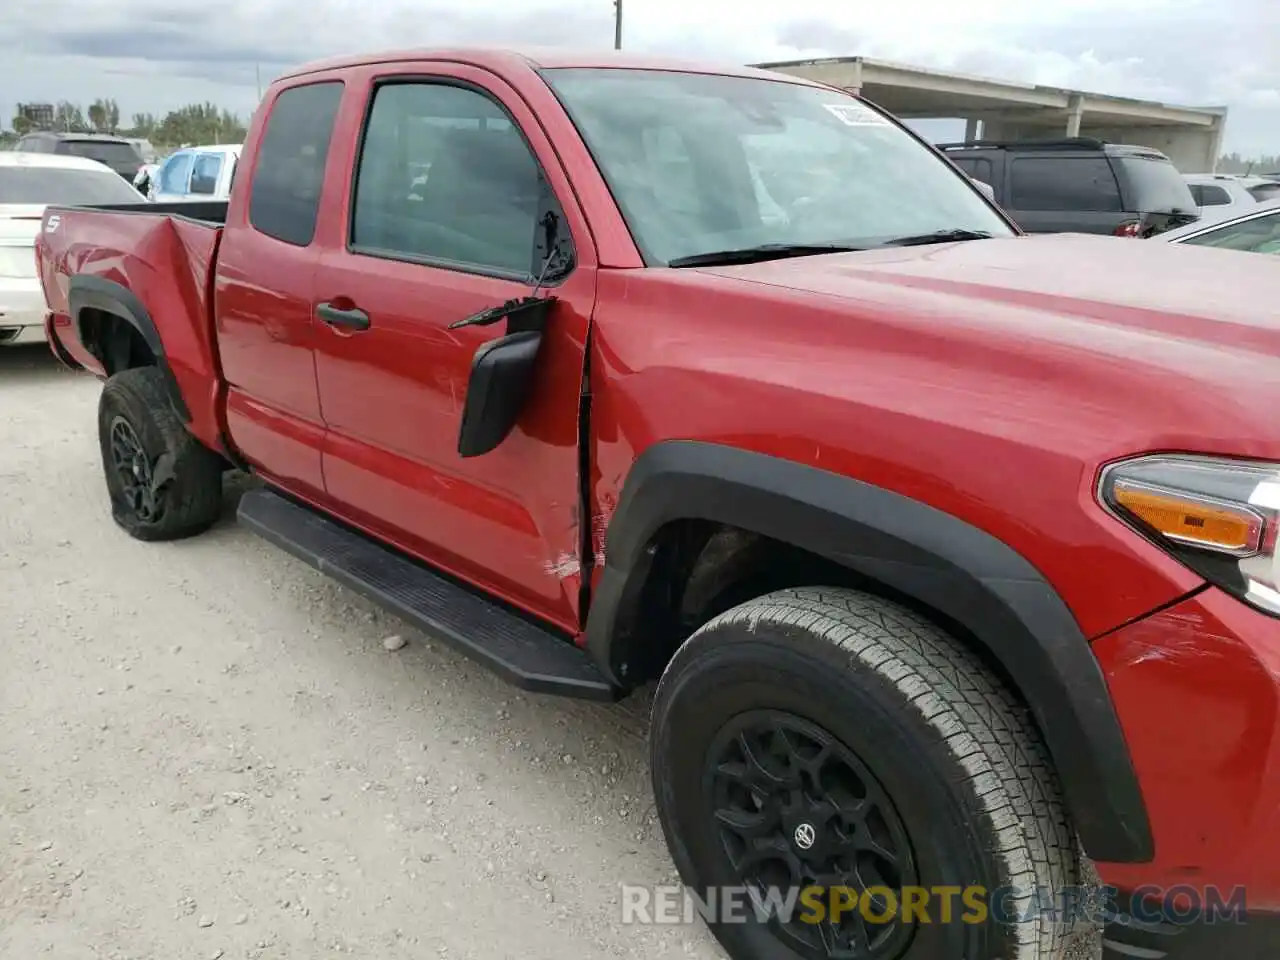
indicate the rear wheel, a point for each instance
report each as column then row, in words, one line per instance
column 829, row 741
column 163, row 483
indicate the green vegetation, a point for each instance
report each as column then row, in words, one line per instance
column 196, row 123
column 1234, row 163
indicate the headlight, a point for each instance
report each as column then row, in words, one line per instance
column 1219, row 517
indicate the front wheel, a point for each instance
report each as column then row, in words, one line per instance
column 163, row 483
column 835, row 752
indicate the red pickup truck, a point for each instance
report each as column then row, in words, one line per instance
column 953, row 550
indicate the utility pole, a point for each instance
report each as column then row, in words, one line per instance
column 617, row 24
column 257, row 72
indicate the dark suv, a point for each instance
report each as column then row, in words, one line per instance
column 1080, row 185
column 115, row 152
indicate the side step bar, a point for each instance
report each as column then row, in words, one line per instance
column 524, row 654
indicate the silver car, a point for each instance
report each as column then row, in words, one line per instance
column 1256, row 231
column 28, row 183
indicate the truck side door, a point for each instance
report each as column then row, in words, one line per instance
column 454, row 182
column 264, row 285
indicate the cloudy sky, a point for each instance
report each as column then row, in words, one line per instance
column 153, row 55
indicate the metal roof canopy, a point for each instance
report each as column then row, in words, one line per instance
column 918, row 93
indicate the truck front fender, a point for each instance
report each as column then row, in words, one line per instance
column 94, row 293
column 917, row 551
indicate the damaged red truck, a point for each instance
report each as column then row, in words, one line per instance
column 953, row 550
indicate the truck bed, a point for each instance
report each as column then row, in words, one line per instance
column 203, row 211
column 150, row 259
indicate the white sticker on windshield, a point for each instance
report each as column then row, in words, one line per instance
column 855, row 114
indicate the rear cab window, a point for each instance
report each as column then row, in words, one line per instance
column 288, row 174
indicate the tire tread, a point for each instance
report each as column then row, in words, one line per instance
column 195, row 494
column 986, row 729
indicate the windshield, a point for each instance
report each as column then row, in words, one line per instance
column 111, row 152
column 1255, row 235
column 700, row 163
column 51, row 185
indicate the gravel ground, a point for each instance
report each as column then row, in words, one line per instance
column 207, row 751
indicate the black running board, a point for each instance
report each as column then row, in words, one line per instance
column 521, row 652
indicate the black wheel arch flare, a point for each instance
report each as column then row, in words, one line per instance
column 89, row 292
column 918, row 551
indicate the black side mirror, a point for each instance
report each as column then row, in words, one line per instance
column 502, row 369
column 501, row 373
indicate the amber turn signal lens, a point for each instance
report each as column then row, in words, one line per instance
column 1190, row 520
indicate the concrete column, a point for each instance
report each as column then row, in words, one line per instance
column 1215, row 144
column 1075, row 110
column 970, row 130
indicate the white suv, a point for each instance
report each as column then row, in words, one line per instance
column 1221, row 194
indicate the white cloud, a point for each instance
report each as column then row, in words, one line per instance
column 157, row 54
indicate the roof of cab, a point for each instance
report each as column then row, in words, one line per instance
column 11, row 158
column 525, row 58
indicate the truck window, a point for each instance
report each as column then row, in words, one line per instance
column 1076, row 184
column 204, row 174
column 445, row 177
column 289, row 170
column 175, row 175
column 774, row 162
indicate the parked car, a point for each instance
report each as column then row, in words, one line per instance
column 952, row 549
column 196, row 173
column 28, row 183
column 115, row 152
column 1080, row 185
column 1219, row 194
column 1255, row 231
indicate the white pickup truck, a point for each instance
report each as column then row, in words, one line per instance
column 196, row 173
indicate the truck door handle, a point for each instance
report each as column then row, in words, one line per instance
column 353, row 319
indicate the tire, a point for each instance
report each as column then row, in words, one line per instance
column 956, row 781
column 134, row 411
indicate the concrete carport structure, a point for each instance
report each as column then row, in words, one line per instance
column 1002, row 110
